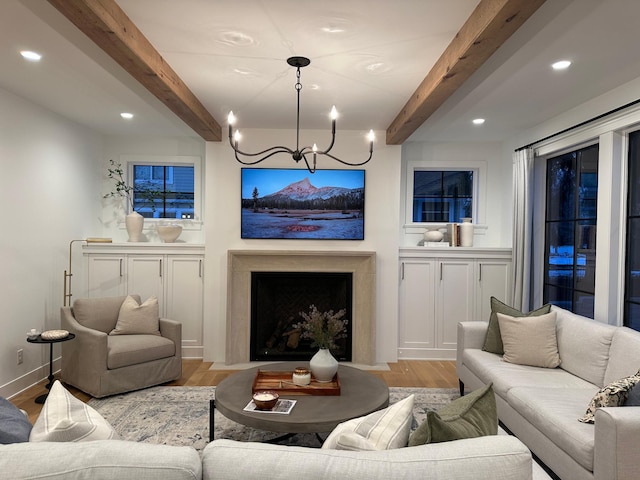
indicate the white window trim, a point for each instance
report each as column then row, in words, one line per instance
column 172, row 160
column 478, row 208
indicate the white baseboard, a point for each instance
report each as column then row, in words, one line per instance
column 28, row 380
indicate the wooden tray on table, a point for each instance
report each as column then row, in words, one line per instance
column 280, row 381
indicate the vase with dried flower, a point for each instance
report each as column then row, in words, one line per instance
column 323, row 329
column 134, row 222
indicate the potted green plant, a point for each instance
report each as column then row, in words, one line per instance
column 134, row 222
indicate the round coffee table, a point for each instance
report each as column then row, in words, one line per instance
column 360, row 394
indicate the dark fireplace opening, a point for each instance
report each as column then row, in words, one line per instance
column 277, row 298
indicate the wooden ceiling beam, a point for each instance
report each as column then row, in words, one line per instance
column 104, row 22
column 489, row 26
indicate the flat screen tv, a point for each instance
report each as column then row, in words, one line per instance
column 279, row 203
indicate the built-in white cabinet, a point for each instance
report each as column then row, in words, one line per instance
column 172, row 272
column 441, row 287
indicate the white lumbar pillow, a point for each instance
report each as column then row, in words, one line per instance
column 64, row 418
column 382, row 430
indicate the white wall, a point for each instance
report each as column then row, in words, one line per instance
column 495, row 203
column 222, row 226
column 49, row 179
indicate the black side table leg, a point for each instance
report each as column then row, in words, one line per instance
column 212, row 411
column 41, row 399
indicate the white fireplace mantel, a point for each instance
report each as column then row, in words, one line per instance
column 241, row 263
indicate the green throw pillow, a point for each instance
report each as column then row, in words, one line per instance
column 473, row 415
column 493, row 340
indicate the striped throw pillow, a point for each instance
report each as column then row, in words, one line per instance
column 64, row 418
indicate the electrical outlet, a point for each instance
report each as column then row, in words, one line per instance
column 20, row 356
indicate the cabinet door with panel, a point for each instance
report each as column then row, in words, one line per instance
column 145, row 277
column 184, row 300
column 107, row 276
column 493, row 280
column 455, row 300
column 416, row 308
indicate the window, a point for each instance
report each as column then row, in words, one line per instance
column 165, row 187
column 570, row 230
column 632, row 268
column 442, row 196
column 163, row 191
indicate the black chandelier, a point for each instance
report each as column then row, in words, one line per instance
column 299, row 153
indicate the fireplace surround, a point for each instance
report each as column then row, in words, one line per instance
column 241, row 264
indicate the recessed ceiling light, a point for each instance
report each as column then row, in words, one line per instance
column 126, row 115
column 29, row 55
column 234, row 38
column 332, row 29
column 561, row 65
column 245, row 72
column 377, row 68
column 478, row 121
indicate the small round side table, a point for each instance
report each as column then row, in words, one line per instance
column 39, row 339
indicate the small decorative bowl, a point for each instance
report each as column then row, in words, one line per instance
column 265, row 400
column 169, row 233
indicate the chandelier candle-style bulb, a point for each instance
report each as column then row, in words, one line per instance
column 299, row 153
column 334, row 116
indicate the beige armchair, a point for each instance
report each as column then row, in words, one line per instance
column 101, row 364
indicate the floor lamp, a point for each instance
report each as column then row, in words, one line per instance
column 68, row 274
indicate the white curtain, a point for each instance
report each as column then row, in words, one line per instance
column 522, row 227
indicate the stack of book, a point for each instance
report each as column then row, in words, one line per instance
column 453, row 231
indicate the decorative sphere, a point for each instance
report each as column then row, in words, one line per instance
column 433, row 236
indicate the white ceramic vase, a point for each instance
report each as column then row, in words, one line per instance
column 134, row 223
column 323, row 366
column 466, row 233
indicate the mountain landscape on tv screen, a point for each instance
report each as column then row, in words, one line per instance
column 301, row 210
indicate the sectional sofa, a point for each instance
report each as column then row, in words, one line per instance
column 70, row 440
column 499, row 457
column 541, row 406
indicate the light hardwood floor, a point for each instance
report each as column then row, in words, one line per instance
column 405, row 373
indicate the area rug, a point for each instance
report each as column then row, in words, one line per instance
column 180, row 415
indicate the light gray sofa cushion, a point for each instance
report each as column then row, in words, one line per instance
column 624, row 356
column 498, row 457
column 99, row 460
column 489, row 367
column 583, row 345
column 555, row 413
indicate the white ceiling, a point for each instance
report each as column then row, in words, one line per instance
column 367, row 58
